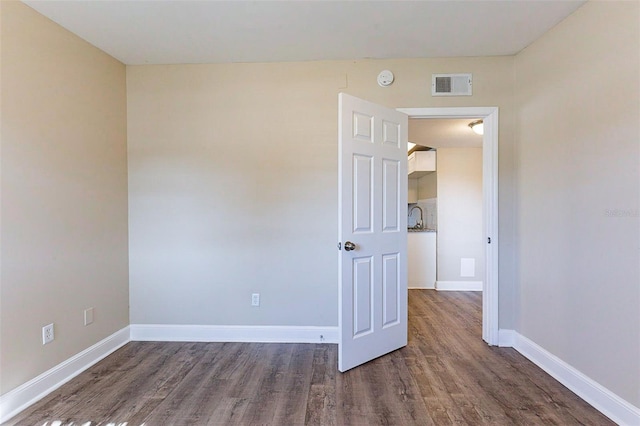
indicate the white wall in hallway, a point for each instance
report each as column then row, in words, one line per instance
column 460, row 213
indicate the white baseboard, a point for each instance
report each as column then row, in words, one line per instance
column 421, row 288
column 459, row 285
column 506, row 338
column 24, row 395
column 233, row 333
column 607, row 402
column 601, row 398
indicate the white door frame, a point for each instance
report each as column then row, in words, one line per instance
column 490, row 289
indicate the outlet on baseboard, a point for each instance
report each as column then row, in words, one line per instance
column 255, row 299
column 47, row 334
column 88, row 316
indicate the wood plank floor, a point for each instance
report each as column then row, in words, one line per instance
column 446, row 375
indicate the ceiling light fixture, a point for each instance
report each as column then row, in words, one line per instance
column 477, row 127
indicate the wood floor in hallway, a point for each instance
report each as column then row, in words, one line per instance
column 446, row 375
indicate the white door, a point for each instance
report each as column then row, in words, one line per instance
column 372, row 230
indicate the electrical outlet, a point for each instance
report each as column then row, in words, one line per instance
column 255, row 299
column 88, row 316
column 47, row 334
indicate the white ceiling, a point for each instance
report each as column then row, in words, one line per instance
column 182, row 31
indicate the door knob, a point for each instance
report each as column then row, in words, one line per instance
column 348, row 246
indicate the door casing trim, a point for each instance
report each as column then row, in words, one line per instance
column 490, row 288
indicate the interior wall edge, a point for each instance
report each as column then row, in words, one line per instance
column 601, row 398
column 25, row 395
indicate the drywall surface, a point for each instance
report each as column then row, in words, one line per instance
column 64, row 194
column 460, row 215
column 233, row 174
column 579, row 192
column 428, row 186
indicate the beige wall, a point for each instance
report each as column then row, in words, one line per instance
column 428, row 186
column 578, row 98
column 233, row 182
column 412, row 195
column 64, row 185
column 459, row 213
column 233, row 168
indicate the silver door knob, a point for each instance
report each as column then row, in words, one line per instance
column 348, row 246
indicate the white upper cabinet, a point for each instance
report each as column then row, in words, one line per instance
column 421, row 163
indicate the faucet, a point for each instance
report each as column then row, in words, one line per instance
column 419, row 223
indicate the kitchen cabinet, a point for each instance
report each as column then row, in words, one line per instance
column 421, row 163
column 421, row 259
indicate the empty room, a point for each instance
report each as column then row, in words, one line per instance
column 206, row 212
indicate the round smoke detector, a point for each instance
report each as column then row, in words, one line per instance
column 385, row 78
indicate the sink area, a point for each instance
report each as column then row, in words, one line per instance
column 420, row 229
column 422, row 219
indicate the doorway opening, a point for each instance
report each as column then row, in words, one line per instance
column 490, row 286
column 451, row 192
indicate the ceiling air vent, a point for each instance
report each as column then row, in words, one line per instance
column 451, row 85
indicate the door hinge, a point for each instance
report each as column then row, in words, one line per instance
column 339, row 246
column 488, row 240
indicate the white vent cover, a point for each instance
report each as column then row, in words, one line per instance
column 451, row 84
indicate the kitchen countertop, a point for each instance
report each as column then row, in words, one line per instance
column 420, row 230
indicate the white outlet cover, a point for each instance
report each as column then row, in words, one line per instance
column 47, row 334
column 255, row 299
column 88, row 316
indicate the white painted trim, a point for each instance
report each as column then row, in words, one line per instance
column 459, row 285
column 447, row 112
column 233, row 333
column 608, row 403
column 491, row 290
column 24, row 395
column 421, row 288
column 490, row 296
column 506, row 338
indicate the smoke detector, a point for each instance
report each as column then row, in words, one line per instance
column 385, row 78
